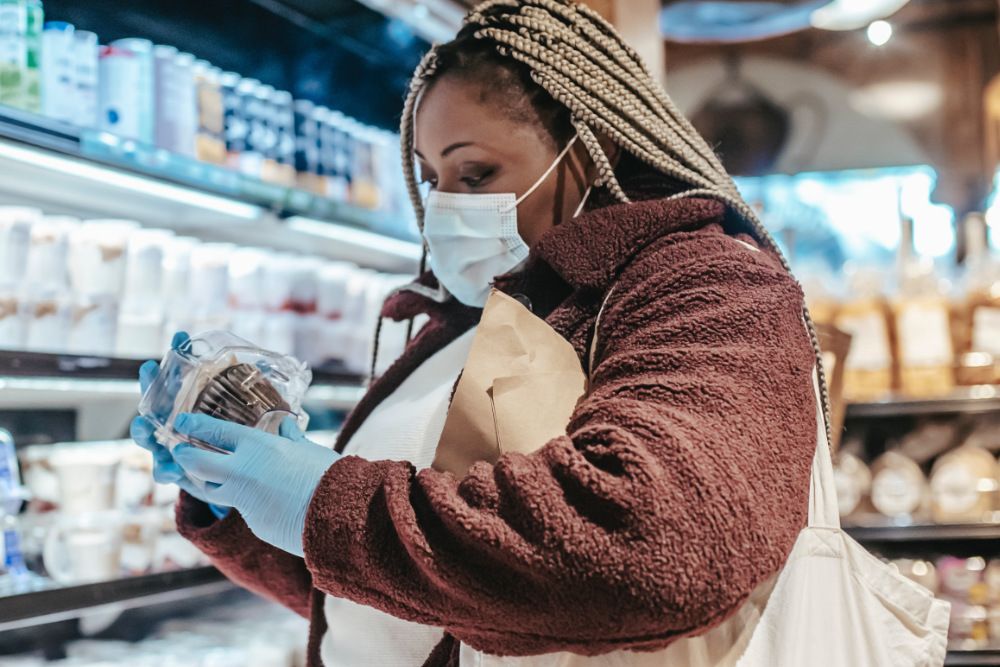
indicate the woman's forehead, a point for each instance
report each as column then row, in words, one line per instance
column 453, row 110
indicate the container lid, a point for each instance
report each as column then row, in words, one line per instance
column 142, row 239
column 248, row 86
column 116, row 52
column 59, row 26
column 13, row 214
column 134, row 44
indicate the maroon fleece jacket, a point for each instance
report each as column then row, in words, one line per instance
column 680, row 485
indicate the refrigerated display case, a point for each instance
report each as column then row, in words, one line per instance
column 290, row 229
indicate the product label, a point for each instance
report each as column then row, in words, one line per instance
column 958, row 578
column 992, row 578
column 869, row 341
column 954, row 489
column 924, row 336
column 894, row 493
column 85, row 80
column 13, row 52
column 986, row 330
column 13, row 34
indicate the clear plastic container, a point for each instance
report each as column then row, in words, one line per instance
column 222, row 375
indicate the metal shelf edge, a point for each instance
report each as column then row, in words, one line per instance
column 972, row 658
column 967, row 400
column 56, row 604
column 27, row 392
column 924, row 533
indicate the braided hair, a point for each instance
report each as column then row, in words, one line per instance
column 577, row 74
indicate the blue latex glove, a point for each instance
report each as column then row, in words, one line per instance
column 270, row 479
column 165, row 469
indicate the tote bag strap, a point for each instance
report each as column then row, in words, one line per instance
column 593, row 339
column 823, row 512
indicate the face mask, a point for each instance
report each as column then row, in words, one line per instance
column 473, row 238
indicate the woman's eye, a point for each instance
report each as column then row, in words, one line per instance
column 476, row 180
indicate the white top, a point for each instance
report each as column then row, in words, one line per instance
column 406, row 426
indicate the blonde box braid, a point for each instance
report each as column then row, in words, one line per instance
column 579, row 59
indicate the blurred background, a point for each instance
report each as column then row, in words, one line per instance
column 234, row 164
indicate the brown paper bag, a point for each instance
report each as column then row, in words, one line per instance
column 519, row 387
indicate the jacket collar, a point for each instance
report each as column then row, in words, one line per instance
column 589, row 251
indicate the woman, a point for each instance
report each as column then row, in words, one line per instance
column 683, row 477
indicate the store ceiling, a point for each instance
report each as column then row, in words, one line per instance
column 918, row 11
column 328, row 10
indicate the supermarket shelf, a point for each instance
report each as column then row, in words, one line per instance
column 39, row 380
column 93, row 174
column 59, row 604
column 21, row 364
column 18, row 393
column 925, row 533
column 964, row 400
column 38, row 130
column 972, row 658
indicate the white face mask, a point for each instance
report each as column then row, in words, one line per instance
column 473, row 238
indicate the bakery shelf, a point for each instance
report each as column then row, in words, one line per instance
column 62, row 169
column 963, row 400
column 38, row 379
column 972, row 658
column 925, row 533
column 64, row 603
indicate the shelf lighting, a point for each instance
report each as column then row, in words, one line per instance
column 434, row 20
column 854, row 14
column 355, row 237
column 133, row 183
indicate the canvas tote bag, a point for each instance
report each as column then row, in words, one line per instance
column 832, row 605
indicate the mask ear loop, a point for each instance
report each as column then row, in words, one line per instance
column 583, row 202
column 548, row 172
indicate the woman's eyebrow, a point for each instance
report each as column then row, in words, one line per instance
column 447, row 151
column 455, row 146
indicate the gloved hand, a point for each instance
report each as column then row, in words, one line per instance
column 269, row 478
column 143, row 432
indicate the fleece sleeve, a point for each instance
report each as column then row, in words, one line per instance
column 244, row 558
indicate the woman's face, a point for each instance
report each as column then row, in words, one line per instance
column 468, row 143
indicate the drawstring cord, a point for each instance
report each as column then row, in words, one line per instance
column 378, row 324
